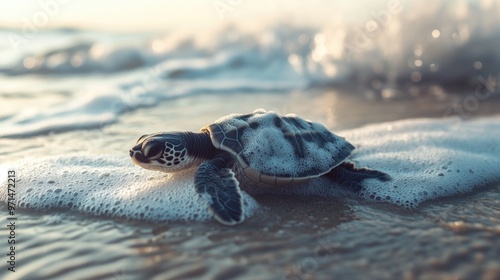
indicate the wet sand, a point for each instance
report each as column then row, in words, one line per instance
column 290, row 237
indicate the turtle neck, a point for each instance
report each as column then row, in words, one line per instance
column 199, row 145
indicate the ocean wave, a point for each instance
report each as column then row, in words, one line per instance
column 448, row 42
column 442, row 47
column 99, row 107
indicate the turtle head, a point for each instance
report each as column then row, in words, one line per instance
column 166, row 152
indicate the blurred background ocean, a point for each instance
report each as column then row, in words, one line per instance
column 67, row 65
column 80, row 81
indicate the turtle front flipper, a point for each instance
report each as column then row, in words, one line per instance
column 349, row 176
column 216, row 183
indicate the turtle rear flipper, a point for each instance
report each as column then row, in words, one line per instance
column 216, row 183
column 349, row 176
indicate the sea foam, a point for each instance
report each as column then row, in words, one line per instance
column 108, row 185
column 426, row 158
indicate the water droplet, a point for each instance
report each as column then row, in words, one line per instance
column 436, row 33
column 29, row 62
column 371, row 26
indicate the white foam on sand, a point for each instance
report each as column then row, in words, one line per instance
column 108, row 185
column 427, row 159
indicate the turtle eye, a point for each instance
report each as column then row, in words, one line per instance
column 153, row 150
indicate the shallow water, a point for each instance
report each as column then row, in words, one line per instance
column 289, row 237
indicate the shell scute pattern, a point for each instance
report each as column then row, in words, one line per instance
column 281, row 147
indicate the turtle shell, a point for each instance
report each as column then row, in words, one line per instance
column 276, row 149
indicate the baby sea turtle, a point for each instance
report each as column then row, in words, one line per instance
column 258, row 149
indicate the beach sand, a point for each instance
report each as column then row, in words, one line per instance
column 289, row 237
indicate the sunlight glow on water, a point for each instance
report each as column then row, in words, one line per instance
column 77, row 96
column 452, row 45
